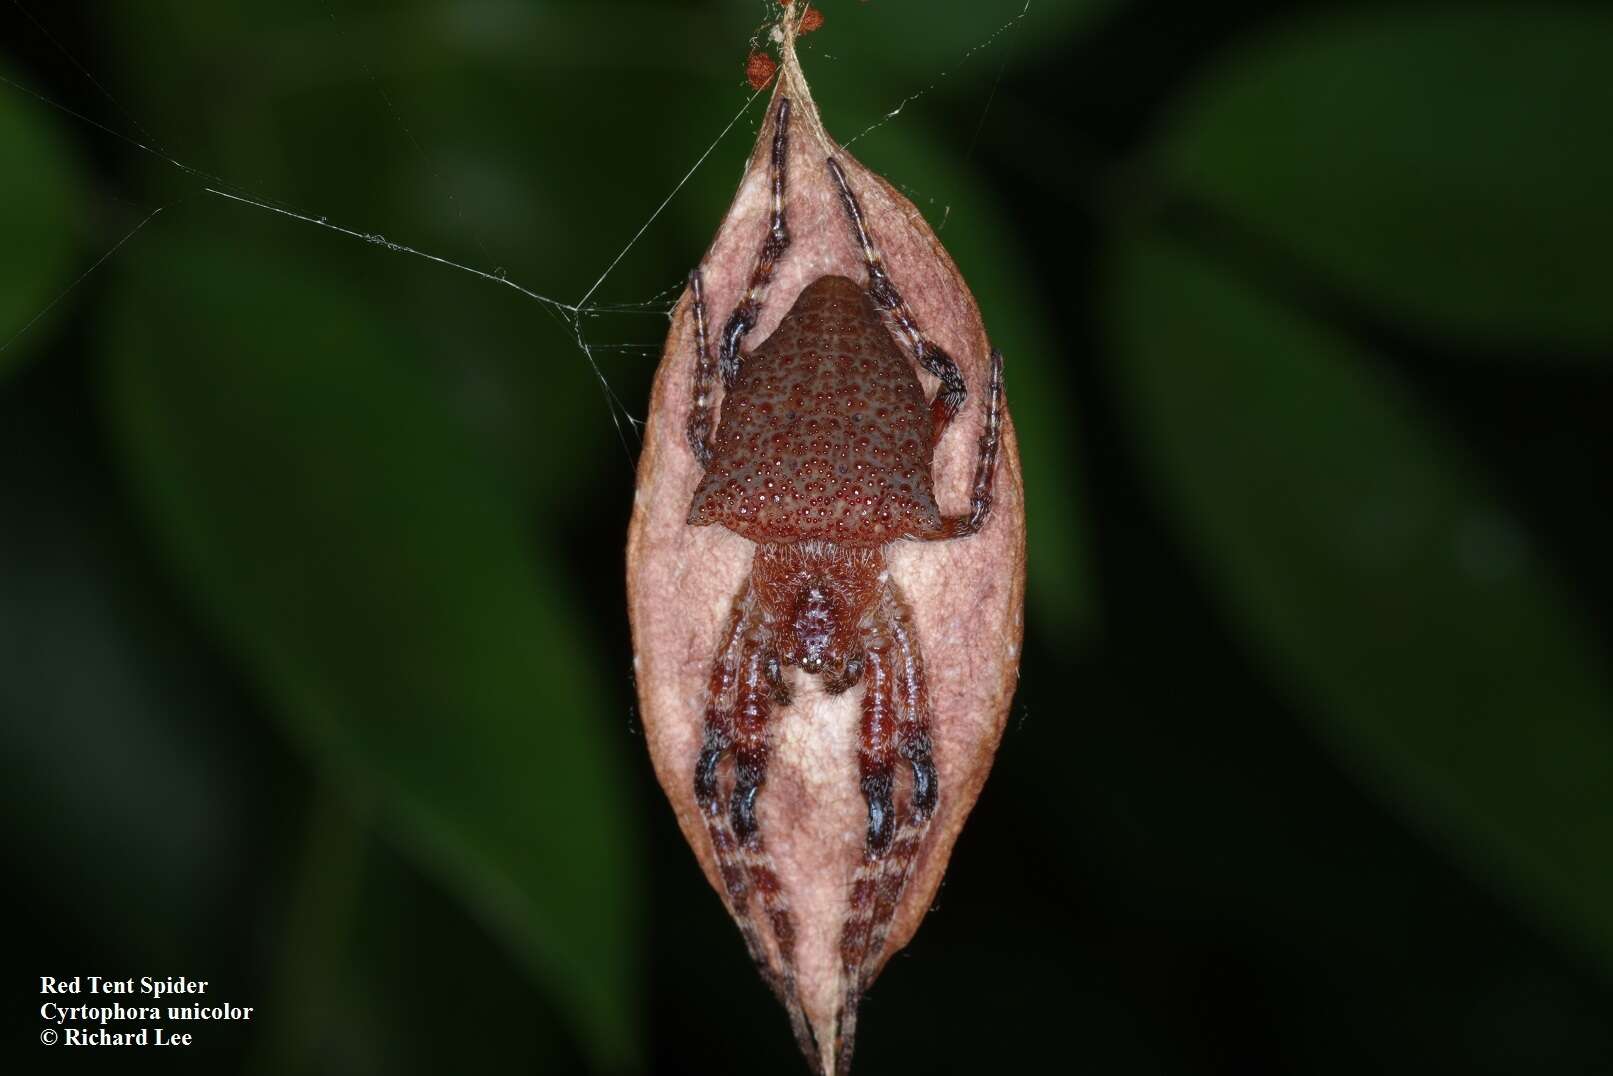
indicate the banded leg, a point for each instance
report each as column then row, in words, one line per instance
column 912, row 736
column 876, row 757
column 698, row 427
column 718, row 742
column 991, row 433
column 743, row 319
column 744, row 685
column 929, row 354
column 896, row 726
column 876, row 762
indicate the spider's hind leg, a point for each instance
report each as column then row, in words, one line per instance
column 743, row 319
column 930, row 355
column 698, row 427
column 980, row 494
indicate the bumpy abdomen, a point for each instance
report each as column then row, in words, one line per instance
column 825, row 434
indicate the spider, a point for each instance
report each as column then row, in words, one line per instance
column 822, row 458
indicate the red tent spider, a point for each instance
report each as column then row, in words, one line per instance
column 823, row 457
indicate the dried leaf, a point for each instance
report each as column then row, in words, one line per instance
column 965, row 594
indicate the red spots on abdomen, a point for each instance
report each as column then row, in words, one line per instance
column 825, row 434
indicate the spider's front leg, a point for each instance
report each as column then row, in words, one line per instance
column 751, row 711
column 876, row 756
column 895, row 728
column 718, row 742
column 913, row 720
column 745, row 683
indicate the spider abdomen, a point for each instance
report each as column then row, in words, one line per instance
column 825, row 433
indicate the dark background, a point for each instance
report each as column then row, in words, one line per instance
column 313, row 663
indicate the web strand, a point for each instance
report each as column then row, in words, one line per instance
column 93, row 81
column 130, row 234
column 570, row 315
column 397, row 117
column 379, row 240
column 916, row 94
column 668, row 199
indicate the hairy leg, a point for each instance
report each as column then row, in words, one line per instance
column 970, row 522
column 718, row 742
column 929, row 354
column 876, row 764
column 743, row 319
column 742, row 691
column 895, row 727
column 698, row 427
column 913, row 745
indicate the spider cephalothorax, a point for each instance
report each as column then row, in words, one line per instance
column 822, row 458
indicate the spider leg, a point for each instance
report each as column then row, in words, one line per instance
column 743, row 319
column 896, row 725
column 718, row 741
column 950, row 396
column 961, row 526
column 876, row 757
column 913, row 745
column 741, row 695
column 698, row 427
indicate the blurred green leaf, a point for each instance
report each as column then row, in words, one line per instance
column 39, row 209
column 1061, row 590
column 347, row 997
column 438, row 124
column 1353, row 543
column 312, row 493
column 1453, row 165
column 920, row 40
column 109, row 787
column 930, row 64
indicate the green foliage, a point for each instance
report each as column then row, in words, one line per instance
column 39, row 195
column 1450, row 166
column 878, row 42
column 389, row 497
column 1351, row 540
column 98, row 694
column 340, row 531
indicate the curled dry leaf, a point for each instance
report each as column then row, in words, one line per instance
column 825, row 566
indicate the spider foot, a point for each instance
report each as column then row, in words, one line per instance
column 750, row 769
column 705, row 773
column 877, row 789
column 916, row 751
